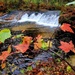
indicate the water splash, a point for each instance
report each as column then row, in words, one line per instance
column 49, row 18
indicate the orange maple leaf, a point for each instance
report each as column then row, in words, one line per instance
column 25, row 44
column 66, row 27
column 27, row 40
column 66, row 47
column 4, row 55
column 37, row 45
column 22, row 47
column 38, row 38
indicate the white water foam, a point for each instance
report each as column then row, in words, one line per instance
column 46, row 19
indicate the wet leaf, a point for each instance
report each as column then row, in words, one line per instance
column 69, row 69
column 3, row 65
column 66, row 27
column 9, row 48
column 44, row 45
column 25, row 44
column 29, row 68
column 49, row 43
column 27, row 40
column 22, row 47
column 4, row 34
column 39, row 38
column 22, row 71
column 66, row 47
column 4, row 55
column 37, row 45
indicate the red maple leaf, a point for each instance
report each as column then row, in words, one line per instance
column 66, row 27
column 66, row 47
column 4, row 55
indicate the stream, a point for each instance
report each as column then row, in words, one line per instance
column 46, row 22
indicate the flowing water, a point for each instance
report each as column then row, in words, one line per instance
column 45, row 22
column 49, row 18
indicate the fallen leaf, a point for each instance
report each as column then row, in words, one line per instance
column 66, row 27
column 37, row 45
column 40, row 73
column 39, row 38
column 4, row 34
column 27, row 40
column 66, row 47
column 25, row 44
column 49, row 43
column 9, row 48
column 44, row 45
column 4, row 55
column 29, row 68
column 22, row 47
column 3, row 65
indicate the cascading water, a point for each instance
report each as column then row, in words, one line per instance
column 49, row 18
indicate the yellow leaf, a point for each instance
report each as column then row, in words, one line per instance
column 49, row 43
column 9, row 48
column 3, row 65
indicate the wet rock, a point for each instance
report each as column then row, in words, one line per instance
column 10, row 17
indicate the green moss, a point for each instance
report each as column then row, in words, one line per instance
column 24, row 4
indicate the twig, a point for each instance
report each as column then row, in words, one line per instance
column 62, row 59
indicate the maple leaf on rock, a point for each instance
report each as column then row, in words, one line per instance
column 37, row 45
column 22, row 47
column 25, row 44
column 39, row 38
column 4, row 55
column 66, row 27
column 66, row 47
column 27, row 40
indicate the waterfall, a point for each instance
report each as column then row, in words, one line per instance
column 49, row 18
